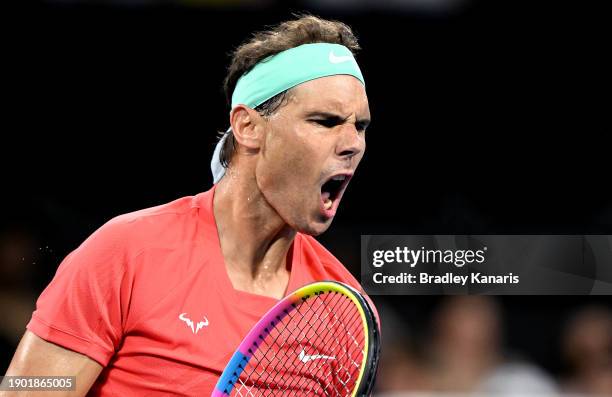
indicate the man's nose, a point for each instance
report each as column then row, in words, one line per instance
column 351, row 143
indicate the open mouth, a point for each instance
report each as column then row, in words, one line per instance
column 331, row 192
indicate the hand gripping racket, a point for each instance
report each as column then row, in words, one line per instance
column 321, row 340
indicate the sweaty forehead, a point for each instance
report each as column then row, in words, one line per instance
column 338, row 94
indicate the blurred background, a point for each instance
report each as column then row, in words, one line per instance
column 489, row 117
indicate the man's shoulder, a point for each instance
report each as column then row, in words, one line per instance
column 163, row 225
column 330, row 267
column 150, row 216
column 322, row 253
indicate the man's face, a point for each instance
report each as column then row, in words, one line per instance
column 311, row 149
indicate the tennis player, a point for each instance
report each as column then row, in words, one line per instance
column 156, row 301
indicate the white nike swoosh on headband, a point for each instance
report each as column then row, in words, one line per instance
column 333, row 58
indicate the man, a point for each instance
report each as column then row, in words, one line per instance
column 156, row 301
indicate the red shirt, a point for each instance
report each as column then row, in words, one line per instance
column 148, row 297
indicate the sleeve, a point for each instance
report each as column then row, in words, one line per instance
column 81, row 309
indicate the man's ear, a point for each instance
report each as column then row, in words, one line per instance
column 247, row 127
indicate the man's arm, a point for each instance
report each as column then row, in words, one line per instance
column 37, row 357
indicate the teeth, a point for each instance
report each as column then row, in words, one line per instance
column 339, row 178
column 327, row 204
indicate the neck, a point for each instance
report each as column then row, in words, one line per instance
column 254, row 239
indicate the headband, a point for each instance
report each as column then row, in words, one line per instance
column 283, row 71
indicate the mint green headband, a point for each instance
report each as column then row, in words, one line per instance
column 289, row 68
column 285, row 70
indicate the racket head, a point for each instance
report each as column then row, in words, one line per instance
column 343, row 356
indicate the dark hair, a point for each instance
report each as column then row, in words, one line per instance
column 306, row 29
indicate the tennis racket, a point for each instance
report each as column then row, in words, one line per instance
column 321, row 340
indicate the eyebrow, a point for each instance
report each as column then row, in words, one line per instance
column 363, row 123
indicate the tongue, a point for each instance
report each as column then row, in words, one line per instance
column 327, row 203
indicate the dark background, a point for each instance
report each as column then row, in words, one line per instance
column 492, row 117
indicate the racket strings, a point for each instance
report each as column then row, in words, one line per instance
column 320, row 321
column 336, row 375
column 354, row 321
column 316, row 349
column 300, row 321
column 301, row 324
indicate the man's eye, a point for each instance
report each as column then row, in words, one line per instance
column 361, row 127
column 326, row 123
